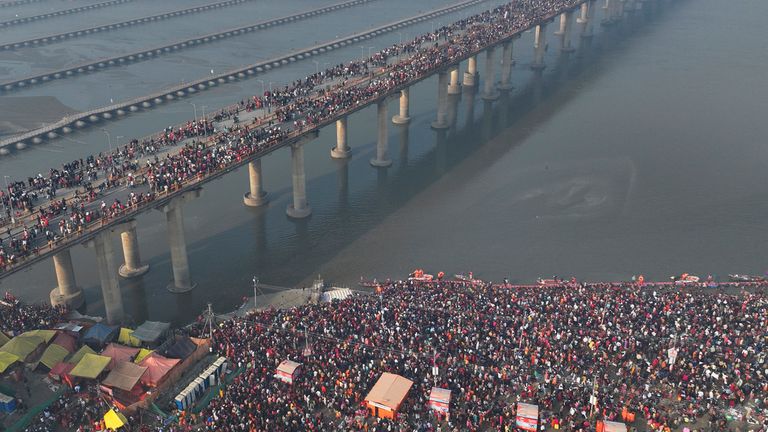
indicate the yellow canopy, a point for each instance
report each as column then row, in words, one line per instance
column 90, row 366
column 6, row 359
column 22, row 346
column 126, row 338
column 142, row 353
column 78, row 355
column 53, row 355
column 3, row 339
column 46, row 335
column 114, row 420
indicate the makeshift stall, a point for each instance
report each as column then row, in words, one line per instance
column 125, row 376
column 61, row 371
column 90, row 367
column 440, row 399
column 141, row 355
column 119, row 353
column 609, row 426
column 53, row 355
column 100, row 335
column 126, row 338
column 3, row 339
column 66, row 341
column 151, row 332
column 79, row 354
column 7, row 404
column 114, row 420
column 287, row 371
column 387, row 395
column 180, row 349
column 24, row 347
column 157, row 368
column 45, row 335
column 527, row 416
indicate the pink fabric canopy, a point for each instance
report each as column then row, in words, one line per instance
column 157, row 368
column 119, row 353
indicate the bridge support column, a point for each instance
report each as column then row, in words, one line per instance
column 539, row 44
column 133, row 267
column 565, row 31
column 442, row 101
column 470, row 76
column 404, row 116
column 110, row 284
column 506, row 66
column 299, row 208
column 489, row 84
column 341, row 151
column 256, row 196
column 584, row 18
column 67, row 293
column 174, row 217
column 454, row 87
column 382, row 159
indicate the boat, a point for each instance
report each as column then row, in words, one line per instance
column 466, row 277
column 549, row 282
column 686, row 279
column 745, row 278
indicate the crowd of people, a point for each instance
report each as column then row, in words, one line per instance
column 17, row 317
column 292, row 110
column 581, row 352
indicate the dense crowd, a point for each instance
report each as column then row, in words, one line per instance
column 304, row 104
column 17, row 317
column 556, row 346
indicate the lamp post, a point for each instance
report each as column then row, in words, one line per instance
column 194, row 107
column 109, row 139
column 117, row 141
column 317, row 67
column 362, row 53
column 5, row 177
column 205, row 123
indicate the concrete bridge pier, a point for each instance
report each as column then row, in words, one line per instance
column 110, row 284
column 469, row 97
column 584, row 19
column 256, row 196
column 565, row 32
column 454, row 87
column 382, row 159
column 174, row 217
column 67, row 293
column 506, row 66
column 299, row 208
column 470, row 76
column 133, row 267
column 442, row 101
column 342, row 150
column 404, row 116
column 539, row 45
column 489, row 82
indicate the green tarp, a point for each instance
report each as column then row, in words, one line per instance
column 46, row 335
column 76, row 357
column 53, row 355
column 6, row 359
column 90, row 366
column 22, row 346
column 3, row 339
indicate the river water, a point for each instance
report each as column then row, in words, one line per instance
column 643, row 153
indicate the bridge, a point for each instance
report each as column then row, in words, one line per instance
column 378, row 87
column 91, row 117
column 86, row 8
column 49, row 39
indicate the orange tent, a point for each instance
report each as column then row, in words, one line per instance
column 387, row 395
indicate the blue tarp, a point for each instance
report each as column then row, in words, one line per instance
column 100, row 334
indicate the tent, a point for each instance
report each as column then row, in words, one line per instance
column 3, row 339
column 91, row 366
column 387, row 395
column 126, row 338
column 609, row 426
column 69, row 327
column 151, row 331
column 125, row 376
column 287, row 371
column 157, row 368
column 143, row 353
column 100, row 334
column 114, row 420
column 180, row 349
column 527, row 416
column 46, row 335
column 119, row 353
column 7, row 359
column 77, row 356
column 23, row 346
column 335, row 294
column 440, row 399
column 66, row 341
column 60, row 370
column 53, row 355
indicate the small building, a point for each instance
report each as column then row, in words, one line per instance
column 440, row 399
column 527, row 416
column 287, row 371
column 387, row 395
column 7, row 404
